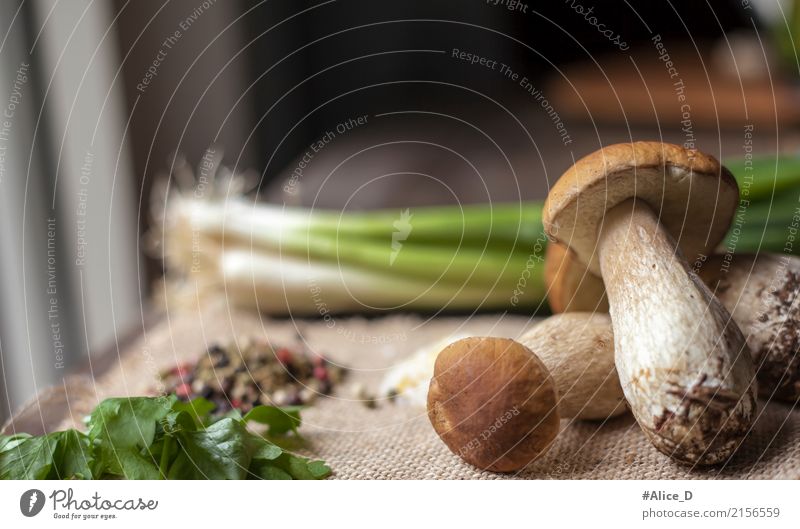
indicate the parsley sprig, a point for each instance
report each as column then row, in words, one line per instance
column 162, row 438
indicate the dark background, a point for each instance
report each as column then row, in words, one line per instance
column 233, row 82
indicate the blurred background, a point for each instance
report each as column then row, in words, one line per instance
column 411, row 103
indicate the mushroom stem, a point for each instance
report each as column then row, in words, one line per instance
column 760, row 292
column 577, row 348
column 683, row 363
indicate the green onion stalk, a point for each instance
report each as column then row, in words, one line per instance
column 284, row 260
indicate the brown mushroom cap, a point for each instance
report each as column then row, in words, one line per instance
column 692, row 194
column 570, row 286
column 493, row 403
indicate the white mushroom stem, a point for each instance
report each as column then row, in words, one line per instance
column 578, row 350
column 761, row 292
column 683, row 363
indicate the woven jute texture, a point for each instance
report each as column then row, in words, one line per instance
column 395, row 441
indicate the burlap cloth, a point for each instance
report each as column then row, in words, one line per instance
column 395, row 441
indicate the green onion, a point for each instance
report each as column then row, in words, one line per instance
column 478, row 257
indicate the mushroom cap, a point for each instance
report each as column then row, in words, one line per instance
column 570, row 286
column 493, row 403
column 692, row 194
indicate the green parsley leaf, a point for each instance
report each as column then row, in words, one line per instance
column 32, row 458
column 263, row 450
column 72, row 457
column 153, row 438
column 279, row 420
column 267, row 471
column 130, row 463
column 128, row 422
column 7, row 442
column 200, row 409
column 218, row 452
column 289, row 466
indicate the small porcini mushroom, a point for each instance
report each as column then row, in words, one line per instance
column 493, row 403
column 562, row 367
column 760, row 291
column 683, row 363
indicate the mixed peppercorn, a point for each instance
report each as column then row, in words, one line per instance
column 254, row 373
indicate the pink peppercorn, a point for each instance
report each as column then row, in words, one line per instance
column 183, row 390
column 284, row 356
column 320, row 373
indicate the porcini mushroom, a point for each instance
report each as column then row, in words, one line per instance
column 631, row 212
column 493, row 403
column 760, row 291
column 561, row 368
column 569, row 284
